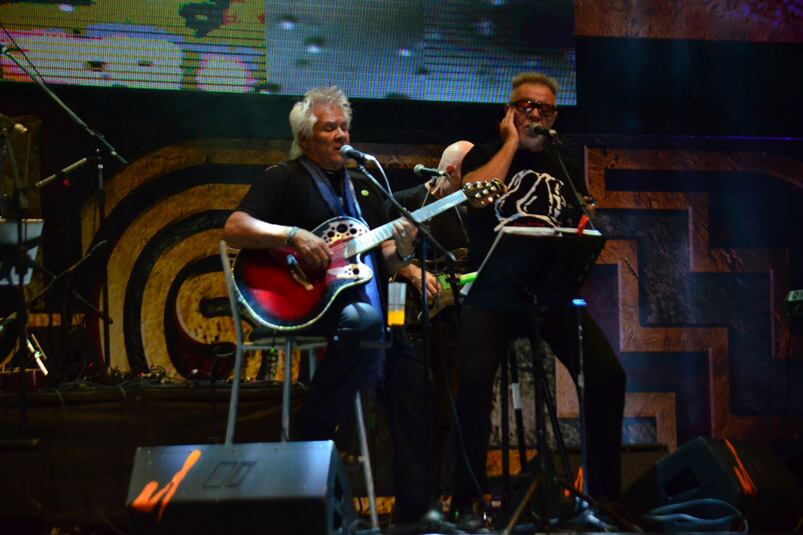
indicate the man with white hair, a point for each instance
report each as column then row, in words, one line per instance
column 282, row 207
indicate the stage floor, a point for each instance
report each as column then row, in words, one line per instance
column 67, row 454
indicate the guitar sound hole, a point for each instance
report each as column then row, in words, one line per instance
column 342, row 228
column 353, row 231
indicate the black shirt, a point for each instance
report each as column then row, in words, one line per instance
column 285, row 194
column 559, row 210
column 537, row 196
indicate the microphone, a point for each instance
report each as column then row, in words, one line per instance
column 535, row 130
column 7, row 122
column 350, row 152
column 427, row 172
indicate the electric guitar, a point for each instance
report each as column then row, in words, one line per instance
column 280, row 291
column 445, row 297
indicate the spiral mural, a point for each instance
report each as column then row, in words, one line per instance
column 689, row 289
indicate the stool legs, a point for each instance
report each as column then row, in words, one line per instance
column 365, row 460
column 286, row 384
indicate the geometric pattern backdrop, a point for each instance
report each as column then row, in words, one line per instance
column 702, row 247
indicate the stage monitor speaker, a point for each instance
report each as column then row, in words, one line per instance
column 290, row 487
column 746, row 474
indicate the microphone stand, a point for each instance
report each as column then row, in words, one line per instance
column 426, row 238
column 20, row 265
column 422, row 228
column 552, row 144
column 101, row 147
column 57, row 279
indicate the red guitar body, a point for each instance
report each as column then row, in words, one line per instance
column 283, row 293
column 280, row 291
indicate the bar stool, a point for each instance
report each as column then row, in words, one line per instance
column 263, row 339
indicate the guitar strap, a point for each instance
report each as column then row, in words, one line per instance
column 370, row 291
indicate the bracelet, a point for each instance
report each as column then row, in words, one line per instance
column 291, row 236
column 404, row 259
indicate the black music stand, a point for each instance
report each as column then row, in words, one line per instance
column 549, row 265
column 11, row 249
column 16, row 269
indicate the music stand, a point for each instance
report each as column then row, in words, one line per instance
column 536, row 270
column 10, row 250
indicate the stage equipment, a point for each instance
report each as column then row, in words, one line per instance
column 101, row 150
column 14, row 256
column 550, row 264
column 278, row 488
column 748, row 475
column 794, row 303
column 19, row 243
column 269, row 340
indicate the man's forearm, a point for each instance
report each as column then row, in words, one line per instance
column 243, row 231
column 497, row 167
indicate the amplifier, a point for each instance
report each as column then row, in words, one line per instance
column 290, row 487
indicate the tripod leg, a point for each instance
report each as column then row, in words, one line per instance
column 517, row 410
column 547, row 499
column 581, row 389
column 505, row 409
column 553, row 417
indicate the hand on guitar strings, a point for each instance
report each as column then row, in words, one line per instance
column 411, row 274
column 311, row 248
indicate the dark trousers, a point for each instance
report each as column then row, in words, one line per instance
column 485, row 333
column 444, row 353
column 341, row 373
column 404, row 394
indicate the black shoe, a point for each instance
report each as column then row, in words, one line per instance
column 472, row 518
column 588, row 519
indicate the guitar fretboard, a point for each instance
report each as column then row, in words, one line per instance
column 373, row 238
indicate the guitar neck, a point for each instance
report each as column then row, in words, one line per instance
column 376, row 236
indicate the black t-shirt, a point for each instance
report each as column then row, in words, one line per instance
column 537, row 195
column 285, row 194
column 446, row 227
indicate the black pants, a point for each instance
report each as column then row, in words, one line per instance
column 330, row 401
column 444, row 356
column 485, row 333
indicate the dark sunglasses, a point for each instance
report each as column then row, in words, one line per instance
column 526, row 106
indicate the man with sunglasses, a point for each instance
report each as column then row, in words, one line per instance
column 537, row 196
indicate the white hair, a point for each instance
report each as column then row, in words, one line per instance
column 303, row 118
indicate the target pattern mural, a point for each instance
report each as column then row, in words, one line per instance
column 688, row 294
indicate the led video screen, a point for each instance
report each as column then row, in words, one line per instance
column 450, row 50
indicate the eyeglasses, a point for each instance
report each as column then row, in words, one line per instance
column 526, row 106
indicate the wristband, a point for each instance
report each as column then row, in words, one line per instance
column 291, row 236
column 404, row 259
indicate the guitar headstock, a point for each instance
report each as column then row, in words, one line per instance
column 483, row 192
